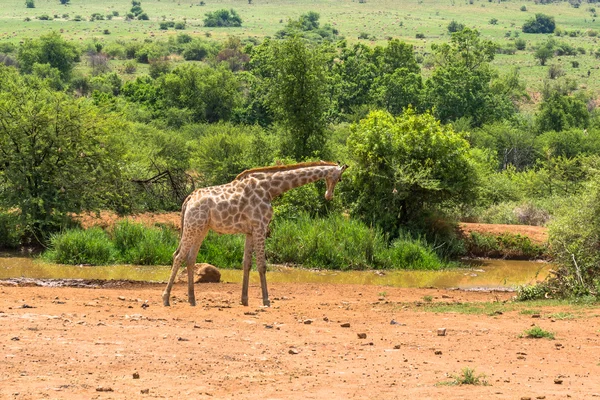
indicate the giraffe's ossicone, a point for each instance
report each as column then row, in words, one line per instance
column 242, row 206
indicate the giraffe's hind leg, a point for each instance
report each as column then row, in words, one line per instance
column 191, row 261
column 178, row 261
column 184, row 256
column 247, row 265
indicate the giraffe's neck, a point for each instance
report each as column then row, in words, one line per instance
column 282, row 181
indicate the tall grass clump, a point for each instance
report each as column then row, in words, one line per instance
column 336, row 242
column 142, row 245
column 333, row 242
column 409, row 253
column 76, row 246
column 223, row 251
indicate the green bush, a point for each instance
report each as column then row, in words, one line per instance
column 138, row 244
column 10, row 230
column 408, row 253
column 330, row 243
column 91, row 246
column 224, row 251
column 336, row 242
column 574, row 237
column 505, row 245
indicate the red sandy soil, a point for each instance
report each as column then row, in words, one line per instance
column 537, row 234
column 91, row 343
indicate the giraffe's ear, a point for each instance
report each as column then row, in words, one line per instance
column 344, row 167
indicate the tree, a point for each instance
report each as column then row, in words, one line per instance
column 560, row 111
column 30, row 3
column 295, row 85
column 541, row 23
column 65, row 2
column 48, row 49
column 543, row 54
column 454, row 26
column 405, row 166
column 58, row 154
column 210, row 94
column 463, row 84
column 399, row 90
column 222, row 18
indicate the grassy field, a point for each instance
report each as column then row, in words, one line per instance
column 381, row 19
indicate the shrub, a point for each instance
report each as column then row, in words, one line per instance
column 336, row 242
column 574, row 237
column 138, row 244
column 223, row 251
column 538, row 333
column 180, row 25
column 420, row 36
column 523, row 8
column 91, row 246
column 331, row 243
column 130, row 67
column 454, row 26
column 44, row 17
column 505, row 245
column 531, row 292
column 10, row 230
column 541, row 23
column 29, row 3
column 222, row 18
column 520, row 44
column 555, row 71
column 143, row 17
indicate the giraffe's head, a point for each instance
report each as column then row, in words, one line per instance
column 332, row 178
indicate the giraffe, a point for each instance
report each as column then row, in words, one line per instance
column 242, row 206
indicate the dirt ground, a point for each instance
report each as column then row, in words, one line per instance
column 118, row 342
column 537, row 234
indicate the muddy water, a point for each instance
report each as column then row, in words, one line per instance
column 476, row 274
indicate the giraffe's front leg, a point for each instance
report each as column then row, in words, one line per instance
column 261, row 265
column 247, row 265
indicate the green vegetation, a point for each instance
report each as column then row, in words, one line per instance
column 315, row 243
column 538, row 333
column 506, row 245
column 223, row 18
column 466, row 377
column 482, row 121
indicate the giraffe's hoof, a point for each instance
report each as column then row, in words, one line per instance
column 245, row 302
column 267, row 303
column 166, row 301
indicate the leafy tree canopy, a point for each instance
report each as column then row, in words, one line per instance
column 57, row 154
column 541, row 23
column 49, row 49
column 223, row 18
column 406, row 164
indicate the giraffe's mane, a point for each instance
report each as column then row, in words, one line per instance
column 277, row 168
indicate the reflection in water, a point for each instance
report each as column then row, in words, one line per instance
column 482, row 273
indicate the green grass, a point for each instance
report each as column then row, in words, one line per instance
column 538, row 333
column 495, row 307
column 76, row 246
column 336, row 242
column 466, row 377
column 379, row 18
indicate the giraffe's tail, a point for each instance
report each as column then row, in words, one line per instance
column 183, row 208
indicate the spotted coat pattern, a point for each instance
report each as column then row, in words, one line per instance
column 242, row 206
